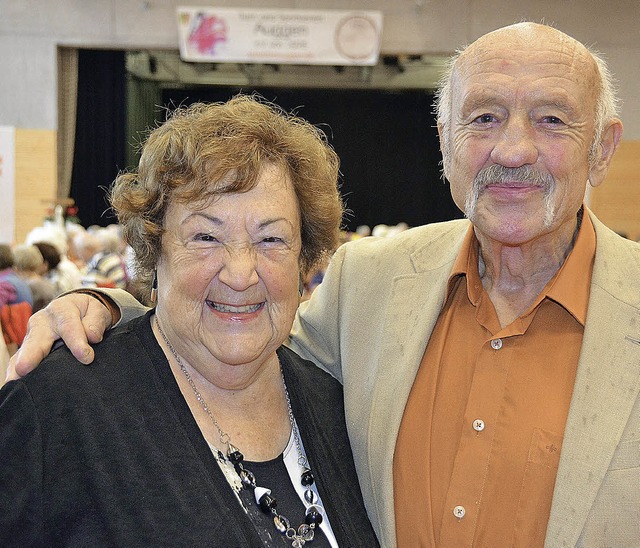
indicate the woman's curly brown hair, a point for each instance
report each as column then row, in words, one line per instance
column 206, row 150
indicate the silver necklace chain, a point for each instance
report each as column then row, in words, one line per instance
column 305, row 533
column 225, row 439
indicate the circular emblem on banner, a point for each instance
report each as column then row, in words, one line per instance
column 356, row 37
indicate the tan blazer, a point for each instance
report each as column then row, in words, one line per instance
column 368, row 324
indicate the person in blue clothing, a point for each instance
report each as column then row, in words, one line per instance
column 13, row 289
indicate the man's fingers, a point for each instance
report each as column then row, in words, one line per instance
column 64, row 320
column 32, row 351
column 25, row 360
column 75, row 318
column 11, row 373
column 96, row 321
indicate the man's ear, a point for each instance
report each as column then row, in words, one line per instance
column 442, row 135
column 608, row 145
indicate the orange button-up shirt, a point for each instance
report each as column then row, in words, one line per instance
column 479, row 444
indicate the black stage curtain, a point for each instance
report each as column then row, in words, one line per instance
column 387, row 142
column 100, row 132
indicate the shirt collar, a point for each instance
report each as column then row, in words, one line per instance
column 569, row 287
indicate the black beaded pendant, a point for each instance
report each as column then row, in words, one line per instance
column 267, row 503
column 313, row 516
column 247, row 478
column 307, row 477
column 234, row 454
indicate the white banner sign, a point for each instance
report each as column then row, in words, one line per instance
column 7, row 184
column 306, row 37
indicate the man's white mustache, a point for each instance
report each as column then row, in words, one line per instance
column 497, row 174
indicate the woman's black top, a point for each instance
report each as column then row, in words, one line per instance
column 110, row 455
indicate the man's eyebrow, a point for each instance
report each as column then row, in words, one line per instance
column 479, row 97
column 565, row 105
column 472, row 103
column 477, row 102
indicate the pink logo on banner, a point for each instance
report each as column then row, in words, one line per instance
column 207, row 32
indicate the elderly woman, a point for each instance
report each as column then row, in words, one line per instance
column 195, row 426
column 29, row 264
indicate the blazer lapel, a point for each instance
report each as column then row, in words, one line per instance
column 606, row 388
column 415, row 303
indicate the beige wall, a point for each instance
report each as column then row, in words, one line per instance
column 616, row 202
column 35, row 178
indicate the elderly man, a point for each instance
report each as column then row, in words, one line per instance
column 491, row 366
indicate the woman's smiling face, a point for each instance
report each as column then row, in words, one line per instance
column 228, row 276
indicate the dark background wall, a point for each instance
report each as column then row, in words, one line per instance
column 386, row 140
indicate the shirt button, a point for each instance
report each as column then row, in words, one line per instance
column 478, row 425
column 496, row 344
column 459, row 512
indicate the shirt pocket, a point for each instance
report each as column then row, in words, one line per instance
column 545, row 449
column 536, row 492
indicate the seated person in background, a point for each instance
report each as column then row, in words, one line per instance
column 30, row 266
column 312, row 280
column 16, row 302
column 195, row 426
column 63, row 272
column 103, row 266
column 15, row 289
column 51, row 258
column 113, row 244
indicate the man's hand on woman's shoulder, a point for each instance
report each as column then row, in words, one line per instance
column 78, row 318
